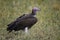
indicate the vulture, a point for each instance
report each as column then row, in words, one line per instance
column 24, row 22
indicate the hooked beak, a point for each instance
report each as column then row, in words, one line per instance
column 39, row 10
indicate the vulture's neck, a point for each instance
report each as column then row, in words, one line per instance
column 33, row 13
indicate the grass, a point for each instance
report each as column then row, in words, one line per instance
column 47, row 27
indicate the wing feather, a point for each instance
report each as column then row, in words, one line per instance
column 16, row 20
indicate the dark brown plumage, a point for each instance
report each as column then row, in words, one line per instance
column 24, row 22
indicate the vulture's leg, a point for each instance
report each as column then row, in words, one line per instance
column 26, row 29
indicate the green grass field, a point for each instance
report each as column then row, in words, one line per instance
column 47, row 27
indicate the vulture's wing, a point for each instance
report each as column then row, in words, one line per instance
column 27, row 21
column 20, row 17
column 16, row 20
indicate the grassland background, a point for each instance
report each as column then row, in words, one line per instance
column 47, row 27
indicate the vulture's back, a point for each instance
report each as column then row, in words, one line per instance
column 27, row 21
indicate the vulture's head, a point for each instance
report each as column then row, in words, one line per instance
column 34, row 10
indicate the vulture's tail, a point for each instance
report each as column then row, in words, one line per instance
column 9, row 29
column 10, row 26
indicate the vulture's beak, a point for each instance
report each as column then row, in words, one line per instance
column 38, row 9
